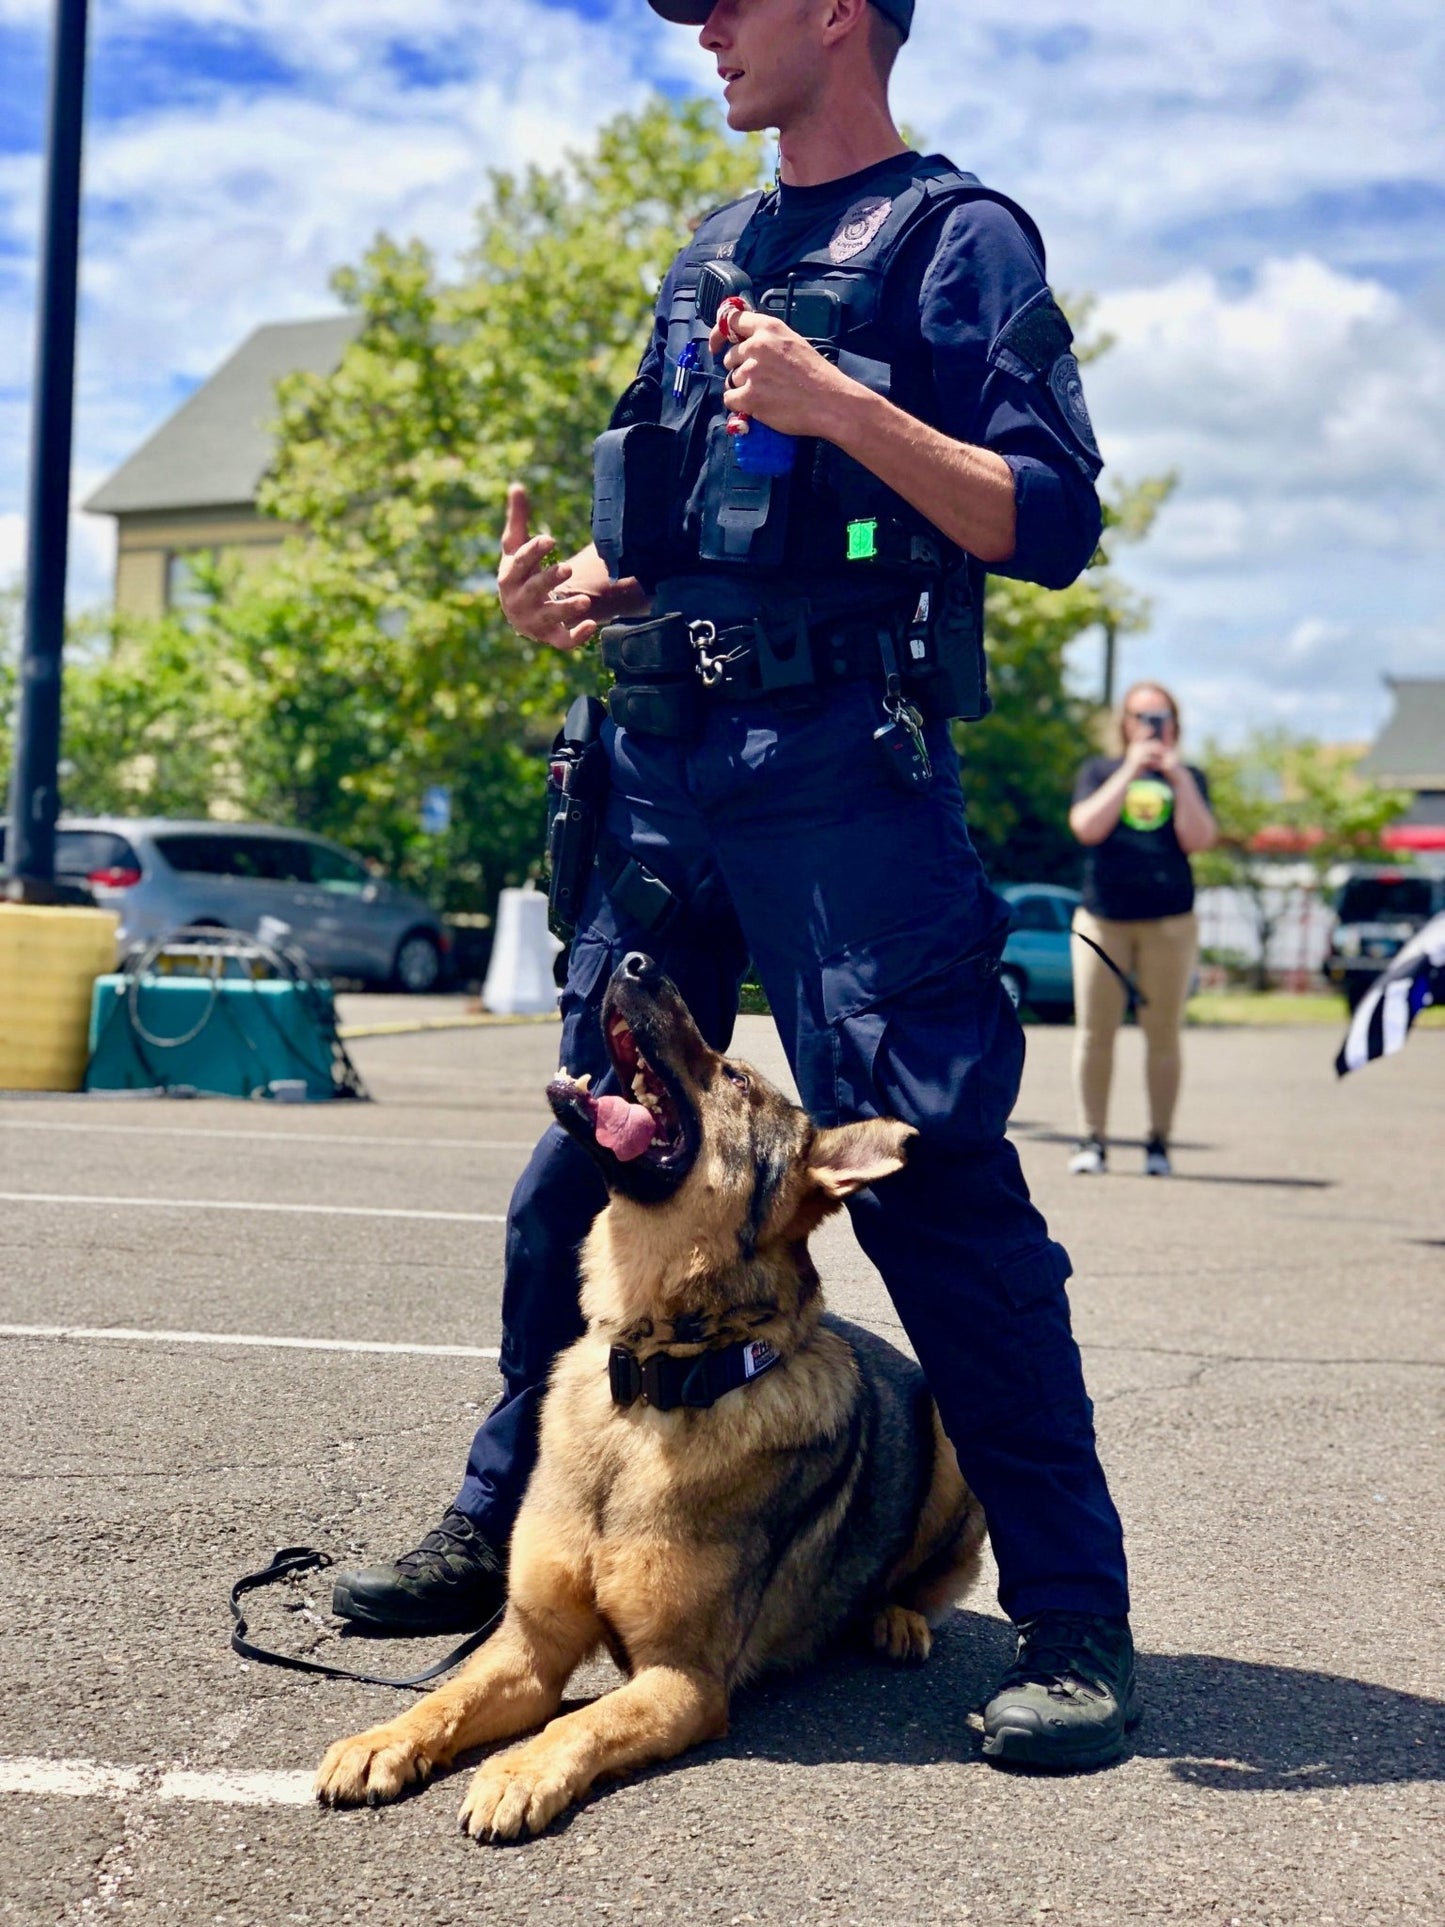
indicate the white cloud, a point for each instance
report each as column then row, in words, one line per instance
column 1307, row 380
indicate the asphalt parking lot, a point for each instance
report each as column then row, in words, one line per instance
column 1263, row 1338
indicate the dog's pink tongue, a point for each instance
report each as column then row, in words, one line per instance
column 623, row 1129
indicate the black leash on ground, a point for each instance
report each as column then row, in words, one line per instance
column 290, row 1560
column 1135, row 995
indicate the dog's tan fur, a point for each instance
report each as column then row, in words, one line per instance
column 641, row 1528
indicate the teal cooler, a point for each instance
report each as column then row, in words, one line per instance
column 225, row 1037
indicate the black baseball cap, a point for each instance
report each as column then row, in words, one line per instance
column 692, row 13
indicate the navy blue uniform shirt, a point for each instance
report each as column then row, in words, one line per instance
column 951, row 299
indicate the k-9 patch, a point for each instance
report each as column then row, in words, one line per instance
column 1068, row 391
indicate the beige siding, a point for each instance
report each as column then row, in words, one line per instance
column 145, row 543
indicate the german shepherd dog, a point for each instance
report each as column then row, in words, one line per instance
column 701, row 1534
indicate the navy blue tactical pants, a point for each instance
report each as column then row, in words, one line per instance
column 875, row 934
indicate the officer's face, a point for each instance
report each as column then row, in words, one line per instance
column 768, row 57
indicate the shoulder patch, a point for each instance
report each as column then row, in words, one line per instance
column 1068, row 391
column 858, row 227
column 1037, row 336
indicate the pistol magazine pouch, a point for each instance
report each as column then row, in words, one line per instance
column 657, row 692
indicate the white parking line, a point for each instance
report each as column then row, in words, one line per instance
column 90, row 1779
column 247, row 1204
column 278, row 1137
column 136, row 1336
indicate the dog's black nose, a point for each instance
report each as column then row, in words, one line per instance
column 640, row 968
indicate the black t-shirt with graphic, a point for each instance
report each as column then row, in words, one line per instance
column 1138, row 870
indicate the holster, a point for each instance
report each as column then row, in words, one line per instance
column 577, row 777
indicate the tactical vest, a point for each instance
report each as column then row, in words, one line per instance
column 671, row 503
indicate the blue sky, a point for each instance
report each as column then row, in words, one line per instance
column 1256, row 195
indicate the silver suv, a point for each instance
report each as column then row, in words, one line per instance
column 159, row 874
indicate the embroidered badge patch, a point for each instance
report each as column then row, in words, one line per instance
column 858, row 227
column 1068, row 392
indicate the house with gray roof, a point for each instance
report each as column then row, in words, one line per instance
column 1410, row 755
column 191, row 488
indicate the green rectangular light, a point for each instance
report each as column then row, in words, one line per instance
column 863, row 540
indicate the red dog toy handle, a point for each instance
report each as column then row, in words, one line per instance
column 733, row 305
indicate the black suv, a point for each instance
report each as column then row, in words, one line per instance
column 1377, row 911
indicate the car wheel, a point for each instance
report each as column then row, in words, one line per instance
column 418, row 965
column 1013, row 984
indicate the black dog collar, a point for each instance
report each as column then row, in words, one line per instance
column 666, row 1382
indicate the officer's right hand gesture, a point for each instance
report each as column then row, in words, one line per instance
column 529, row 593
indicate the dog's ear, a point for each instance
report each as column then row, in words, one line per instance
column 844, row 1159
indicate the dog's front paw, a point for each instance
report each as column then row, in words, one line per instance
column 371, row 1767
column 903, row 1635
column 512, row 1795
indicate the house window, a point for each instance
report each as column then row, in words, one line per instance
column 183, row 586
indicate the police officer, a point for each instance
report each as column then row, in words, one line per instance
column 792, row 612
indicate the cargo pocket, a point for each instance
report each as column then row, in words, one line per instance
column 928, row 1039
column 1021, row 1359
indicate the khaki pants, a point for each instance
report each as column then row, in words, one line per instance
column 1158, row 953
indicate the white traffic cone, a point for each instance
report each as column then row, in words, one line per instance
column 519, row 976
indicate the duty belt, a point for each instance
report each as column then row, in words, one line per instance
column 669, row 666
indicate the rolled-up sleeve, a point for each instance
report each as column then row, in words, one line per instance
column 1005, row 378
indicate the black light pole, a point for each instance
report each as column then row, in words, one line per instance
column 34, row 791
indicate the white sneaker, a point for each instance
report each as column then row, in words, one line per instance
column 1156, row 1159
column 1091, row 1159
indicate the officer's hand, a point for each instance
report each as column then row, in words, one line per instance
column 778, row 377
column 529, row 593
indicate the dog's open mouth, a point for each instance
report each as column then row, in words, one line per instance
column 646, row 1124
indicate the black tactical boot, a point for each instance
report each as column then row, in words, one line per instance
column 453, row 1582
column 1069, row 1696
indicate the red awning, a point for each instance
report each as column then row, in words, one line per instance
column 1283, row 839
column 1415, row 836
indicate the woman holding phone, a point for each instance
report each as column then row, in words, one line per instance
column 1140, row 817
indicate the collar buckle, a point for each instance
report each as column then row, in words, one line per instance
column 624, row 1376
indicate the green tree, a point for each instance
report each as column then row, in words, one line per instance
column 372, row 660
column 1019, row 763
column 1281, row 801
column 379, row 658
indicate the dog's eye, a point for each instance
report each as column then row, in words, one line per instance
column 740, row 1078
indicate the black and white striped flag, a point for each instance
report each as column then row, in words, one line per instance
column 1384, row 1014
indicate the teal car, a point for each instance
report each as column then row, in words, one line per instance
column 1036, row 969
